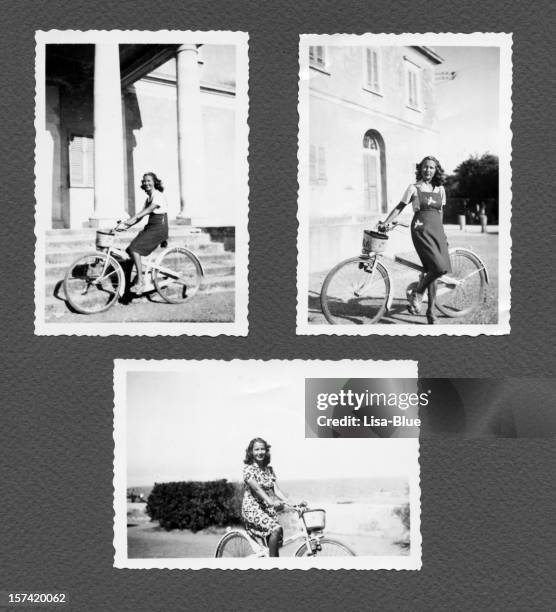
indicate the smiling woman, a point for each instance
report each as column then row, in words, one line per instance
column 262, row 497
column 155, row 233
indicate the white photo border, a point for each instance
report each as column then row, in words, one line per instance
column 311, row 368
column 504, row 42
column 239, row 327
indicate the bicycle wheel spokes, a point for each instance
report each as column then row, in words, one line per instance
column 178, row 275
column 355, row 292
column 92, row 283
column 462, row 290
column 234, row 544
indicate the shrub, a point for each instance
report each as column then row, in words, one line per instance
column 402, row 512
column 195, row 505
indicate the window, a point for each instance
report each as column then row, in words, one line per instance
column 81, row 164
column 372, row 70
column 374, row 173
column 413, row 85
column 317, row 165
column 317, row 57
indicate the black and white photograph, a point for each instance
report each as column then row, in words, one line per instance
column 227, row 476
column 404, row 184
column 141, row 183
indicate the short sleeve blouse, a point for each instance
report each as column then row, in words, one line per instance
column 263, row 477
column 411, row 196
column 158, row 198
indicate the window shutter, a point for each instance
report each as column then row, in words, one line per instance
column 322, row 165
column 81, row 162
column 312, row 164
column 374, row 56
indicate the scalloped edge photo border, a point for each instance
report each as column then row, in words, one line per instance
column 240, row 326
column 302, row 368
column 502, row 327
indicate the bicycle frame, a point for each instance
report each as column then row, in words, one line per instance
column 311, row 539
column 397, row 259
column 148, row 262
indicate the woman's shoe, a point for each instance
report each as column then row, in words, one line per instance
column 415, row 300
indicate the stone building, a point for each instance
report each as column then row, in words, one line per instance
column 372, row 115
column 114, row 111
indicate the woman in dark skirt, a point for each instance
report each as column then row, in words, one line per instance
column 155, row 231
column 427, row 197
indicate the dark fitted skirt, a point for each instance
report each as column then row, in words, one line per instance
column 430, row 241
column 151, row 236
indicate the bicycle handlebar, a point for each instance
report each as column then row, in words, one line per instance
column 387, row 227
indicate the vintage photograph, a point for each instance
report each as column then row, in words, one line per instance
column 404, row 184
column 141, row 183
column 229, row 475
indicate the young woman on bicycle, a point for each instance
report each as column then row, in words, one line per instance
column 155, row 231
column 427, row 196
column 262, row 497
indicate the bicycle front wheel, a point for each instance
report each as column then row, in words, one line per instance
column 460, row 292
column 234, row 544
column 178, row 275
column 93, row 282
column 355, row 292
column 326, row 548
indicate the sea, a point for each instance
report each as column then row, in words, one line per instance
column 379, row 491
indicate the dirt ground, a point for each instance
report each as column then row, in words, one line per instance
column 203, row 307
column 484, row 245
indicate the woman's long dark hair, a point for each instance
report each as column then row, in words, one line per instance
column 439, row 177
column 249, row 452
column 157, row 182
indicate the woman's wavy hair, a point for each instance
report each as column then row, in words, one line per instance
column 157, row 182
column 249, row 452
column 439, row 177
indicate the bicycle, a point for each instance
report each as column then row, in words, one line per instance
column 95, row 281
column 239, row 543
column 359, row 290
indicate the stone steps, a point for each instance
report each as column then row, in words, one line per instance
column 55, row 299
column 64, row 246
column 211, row 254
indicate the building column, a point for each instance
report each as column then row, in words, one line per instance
column 108, row 137
column 191, row 150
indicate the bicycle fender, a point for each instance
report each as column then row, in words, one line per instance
column 473, row 254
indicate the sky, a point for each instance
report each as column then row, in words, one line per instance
column 196, row 425
column 468, row 106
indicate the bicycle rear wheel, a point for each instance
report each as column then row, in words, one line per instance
column 178, row 276
column 234, row 544
column 93, row 282
column 355, row 292
column 464, row 295
column 326, row 548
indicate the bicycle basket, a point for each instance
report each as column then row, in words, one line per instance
column 374, row 242
column 314, row 520
column 103, row 239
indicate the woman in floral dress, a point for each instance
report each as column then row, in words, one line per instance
column 262, row 498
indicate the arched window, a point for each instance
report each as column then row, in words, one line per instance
column 374, row 173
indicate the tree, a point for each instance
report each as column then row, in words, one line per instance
column 475, row 181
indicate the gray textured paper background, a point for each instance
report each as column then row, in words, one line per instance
column 487, row 507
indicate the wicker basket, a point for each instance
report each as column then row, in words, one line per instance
column 315, row 520
column 374, row 242
column 104, row 239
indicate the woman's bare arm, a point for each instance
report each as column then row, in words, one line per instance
column 259, row 491
column 280, row 494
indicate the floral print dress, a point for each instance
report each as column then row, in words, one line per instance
column 259, row 518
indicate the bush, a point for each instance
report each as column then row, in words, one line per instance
column 195, row 505
column 402, row 512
